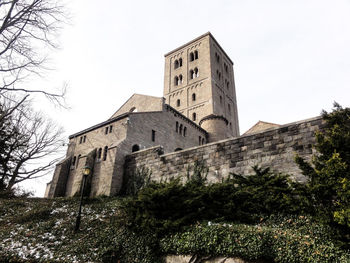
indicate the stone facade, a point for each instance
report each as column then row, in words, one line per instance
column 274, row 148
column 196, row 119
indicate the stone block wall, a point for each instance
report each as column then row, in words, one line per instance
column 274, row 148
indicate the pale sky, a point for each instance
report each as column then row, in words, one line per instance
column 291, row 58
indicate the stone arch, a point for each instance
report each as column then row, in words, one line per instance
column 135, row 148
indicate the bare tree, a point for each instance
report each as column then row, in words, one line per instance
column 28, row 30
column 27, row 143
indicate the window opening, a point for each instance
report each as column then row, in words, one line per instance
column 185, row 131
column 176, row 64
column 196, row 73
column 191, row 56
column 110, row 128
column 106, row 130
column 194, row 116
column 99, row 154
column 194, row 97
column 135, row 148
column 178, row 103
column 196, row 54
column 200, row 140
column 78, row 159
column 180, row 62
column 180, row 79
column 176, row 81
column 180, row 129
column 105, row 153
column 74, row 160
column 177, row 127
column 153, row 135
column 81, row 140
column 178, row 149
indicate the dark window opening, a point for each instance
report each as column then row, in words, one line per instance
column 185, row 131
column 178, row 149
column 135, row 148
column 74, row 160
column 84, row 138
column 228, row 85
column 78, row 159
column 105, row 150
column 178, row 103
column 196, row 54
column 106, row 130
column 177, row 127
column 180, row 62
column 194, row 97
column 196, row 73
column 194, row 116
column 200, row 140
column 176, row 81
column 180, row 129
column 153, row 135
column 191, row 56
column 191, row 74
column 176, row 64
column 110, row 128
column 81, row 140
column 180, row 79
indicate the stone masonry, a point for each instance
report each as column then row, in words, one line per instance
column 274, row 148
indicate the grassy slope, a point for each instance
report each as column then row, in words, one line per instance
column 42, row 230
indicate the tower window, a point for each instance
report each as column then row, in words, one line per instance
column 106, row 130
column 194, row 116
column 180, row 62
column 135, row 148
column 84, row 138
column 177, row 127
column 178, row 103
column 78, row 159
column 153, row 135
column 195, row 73
column 191, row 56
column 180, row 79
column 230, row 126
column 176, row 64
column 105, row 153
column 226, row 67
column 74, row 160
column 228, row 84
column 180, row 129
column 191, row 74
column 81, row 140
column 194, row 97
column 110, row 128
column 185, row 131
column 176, row 81
column 217, row 56
column 196, row 54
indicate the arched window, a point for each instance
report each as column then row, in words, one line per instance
column 196, row 73
column 177, row 127
column 74, row 160
column 185, row 131
column 180, row 129
column 180, row 62
column 135, row 148
column 191, row 56
column 196, row 54
column 176, row 81
column 228, row 85
column 105, row 150
column 180, row 79
column 194, row 116
column 178, row 103
column 191, row 74
column 99, row 154
column 194, row 97
column 176, row 64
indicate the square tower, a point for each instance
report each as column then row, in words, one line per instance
column 199, row 83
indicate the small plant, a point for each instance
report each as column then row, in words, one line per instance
column 138, row 180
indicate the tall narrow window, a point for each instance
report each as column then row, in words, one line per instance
column 180, row 62
column 81, row 140
column 220, row 99
column 229, row 108
column 153, row 135
column 191, row 56
column 176, row 64
column 176, row 81
column 196, row 54
column 74, row 160
column 84, row 138
column 110, row 128
column 194, row 116
column 191, row 74
column 106, row 130
column 180, row 129
column 185, row 131
column 200, row 140
column 105, row 150
column 177, row 127
column 178, row 103
column 180, row 79
column 194, row 97
column 99, row 154
column 78, row 159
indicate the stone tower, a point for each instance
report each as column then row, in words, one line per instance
column 199, row 83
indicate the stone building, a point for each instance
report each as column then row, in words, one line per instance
column 198, row 106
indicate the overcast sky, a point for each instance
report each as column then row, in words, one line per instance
column 291, row 58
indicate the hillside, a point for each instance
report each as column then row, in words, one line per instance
column 41, row 230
